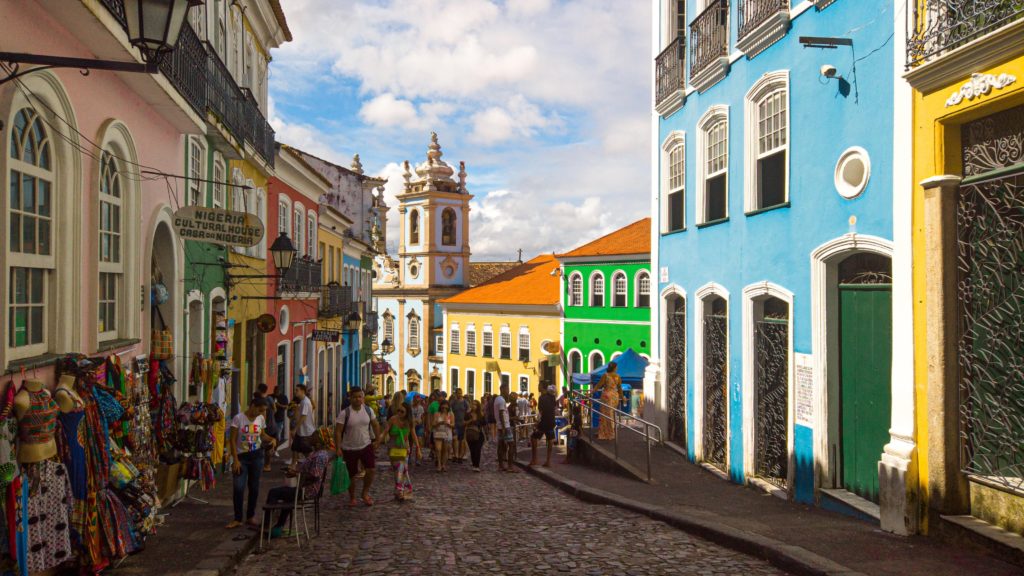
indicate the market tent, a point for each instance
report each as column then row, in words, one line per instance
column 630, row 367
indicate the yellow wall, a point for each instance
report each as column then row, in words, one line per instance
column 541, row 328
column 937, row 152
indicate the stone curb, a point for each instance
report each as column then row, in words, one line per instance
column 788, row 557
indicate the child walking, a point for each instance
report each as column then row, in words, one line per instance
column 402, row 436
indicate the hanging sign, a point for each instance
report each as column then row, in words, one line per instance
column 266, row 323
column 380, row 368
column 218, row 226
column 326, row 335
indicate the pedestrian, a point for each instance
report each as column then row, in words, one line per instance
column 304, row 425
column 272, row 429
column 489, row 415
column 418, row 415
column 459, row 406
column 545, row 426
column 443, row 422
column 523, row 408
column 504, row 431
column 396, row 399
column 432, row 407
column 533, row 404
column 610, row 387
column 475, row 424
column 402, row 443
column 279, row 415
column 248, row 432
column 354, row 432
column 311, row 472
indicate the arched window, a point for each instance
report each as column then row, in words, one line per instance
column 596, row 360
column 713, row 166
column 619, row 290
column 30, row 231
column 448, row 227
column 111, row 275
column 597, row 290
column 643, row 289
column 766, row 124
column 576, row 289
column 389, row 327
column 575, row 362
column 414, row 333
column 311, row 235
column 300, row 225
column 219, row 185
column 414, row 227
column 524, row 344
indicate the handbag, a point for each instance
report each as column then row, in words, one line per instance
column 339, row 477
column 161, row 341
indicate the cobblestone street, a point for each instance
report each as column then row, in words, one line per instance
column 462, row 522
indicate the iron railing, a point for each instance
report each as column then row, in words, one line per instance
column 669, row 70
column 335, row 300
column 621, row 420
column 257, row 130
column 304, row 275
column 185, row 68
column 709, row 36
column 753, row 13
column 223, row 96
column 938, row 26
column 116, row 9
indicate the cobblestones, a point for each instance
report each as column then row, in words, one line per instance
column 462, row 522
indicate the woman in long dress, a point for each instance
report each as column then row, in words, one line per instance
column 610, row 386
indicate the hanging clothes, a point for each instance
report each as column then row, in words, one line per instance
column 48, row 515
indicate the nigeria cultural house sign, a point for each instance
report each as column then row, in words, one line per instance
column 218, row 226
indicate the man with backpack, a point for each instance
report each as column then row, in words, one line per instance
column 355, row 434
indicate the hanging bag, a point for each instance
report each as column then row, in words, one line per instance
column 340, row 480
column 162, row 341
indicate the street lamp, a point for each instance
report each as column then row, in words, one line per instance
column 153, row 28
column 352, row 321
column 386, row 346
column 283, row 252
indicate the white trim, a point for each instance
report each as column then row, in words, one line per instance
column 769, row 32
column 825, row 342
column 572, row 300
column 636, row 287
column 674, row 139
column 660, row 393
column 465, row 383
column 711, row 117
column 590, row 291
column 568, row 360
column 768, row 84
column 616, row 322
column 845, row 188
column 752, row 294
column 590, row 360
column 700, row 296
column 615, row 274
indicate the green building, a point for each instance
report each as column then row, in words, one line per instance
column 606, row 298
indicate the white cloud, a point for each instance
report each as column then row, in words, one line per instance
column 516, row 118
column 527, row 7
column 386, row 110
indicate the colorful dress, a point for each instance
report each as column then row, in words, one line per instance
column 48, row 512
column 609, row 386
column 398, row 453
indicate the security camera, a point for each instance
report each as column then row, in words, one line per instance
column 828, row 71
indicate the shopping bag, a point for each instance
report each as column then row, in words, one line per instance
column 339, row 478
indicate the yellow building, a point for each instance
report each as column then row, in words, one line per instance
column 968, row 253
column 505, row 330
column 335, row 304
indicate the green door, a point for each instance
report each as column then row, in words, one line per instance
column 865, row 348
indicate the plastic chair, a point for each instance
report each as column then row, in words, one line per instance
column 297, row 507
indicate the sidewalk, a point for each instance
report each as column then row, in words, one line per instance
column 193, row 541
column 794, row 537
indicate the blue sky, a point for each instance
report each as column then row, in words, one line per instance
column 548, row 103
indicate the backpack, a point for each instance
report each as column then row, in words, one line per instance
column 348, row 413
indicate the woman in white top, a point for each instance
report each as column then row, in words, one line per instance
column 248, row 433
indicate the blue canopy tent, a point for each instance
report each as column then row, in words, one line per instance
column 630, row 366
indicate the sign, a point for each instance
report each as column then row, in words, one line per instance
column 550, row 348
column 326, row 335
column 218, row 226
column 805, row 390
column 663, row 274
column 380, row 368
column 266, row 323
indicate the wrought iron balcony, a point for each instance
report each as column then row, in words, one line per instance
column 938, row 26
column 258, row 132
column 335, row 300
column 185, row 68
column 223, row 96
column 669, row 70
column 753, row 13
column 709, row 36
column 371, row 320
column 304, row 275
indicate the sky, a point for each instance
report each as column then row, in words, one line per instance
column 547, row 101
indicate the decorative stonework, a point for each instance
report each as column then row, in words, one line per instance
column 978, row 86
column 993, row 142
column 711, row 74
column 765, row 34
column 449, row 266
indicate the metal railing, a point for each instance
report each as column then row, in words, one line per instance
column 185, row 68
column 223, row 96
column 304, row 275
column 753, row 13
column 621, row 420
column 709, row 36
column 938, row 26
column 669, row 72
column 335, row 300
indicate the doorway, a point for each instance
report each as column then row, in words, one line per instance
column 865, row 369
column 771, row 390
column 675, row 313
column 716, row 380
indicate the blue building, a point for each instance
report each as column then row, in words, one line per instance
column 773, row 204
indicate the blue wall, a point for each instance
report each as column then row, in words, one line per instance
column 775, row 245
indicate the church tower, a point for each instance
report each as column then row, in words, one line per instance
column 434, row 232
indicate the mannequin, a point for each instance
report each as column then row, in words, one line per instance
column 35, row 431
column 67, row 399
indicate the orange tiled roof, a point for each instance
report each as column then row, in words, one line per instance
column 633, row 239
column 530, row 283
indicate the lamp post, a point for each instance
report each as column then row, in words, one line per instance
column 282, row 251
column 153, row 28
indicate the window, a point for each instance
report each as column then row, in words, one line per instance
column 506, row 345
column 675, row 20
column 219, row 186
column 439, row 344
column 311, row 235
column 220, row 32
column 576, row 289
column 454, row 379
column 282, row 366
column 597, row 290
column 643, row 289
column 524, row 384
column 414, row 227
column 714, row 165
column 596, row 360
column 299, row 225
column 673, row 203
column 575, row 362
column 414, row 333
column 448, row 227
column 506, row 380
column 470, row 341
column 283, row 217
column 111, row 268
column 488, row 386
column 524, row 346
column 453, row 347
column 389, row 327
column 195, row 173
column 470, row 382
column 619, row 290
column 767, row 142
column 488, row 343
column 30, row 231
